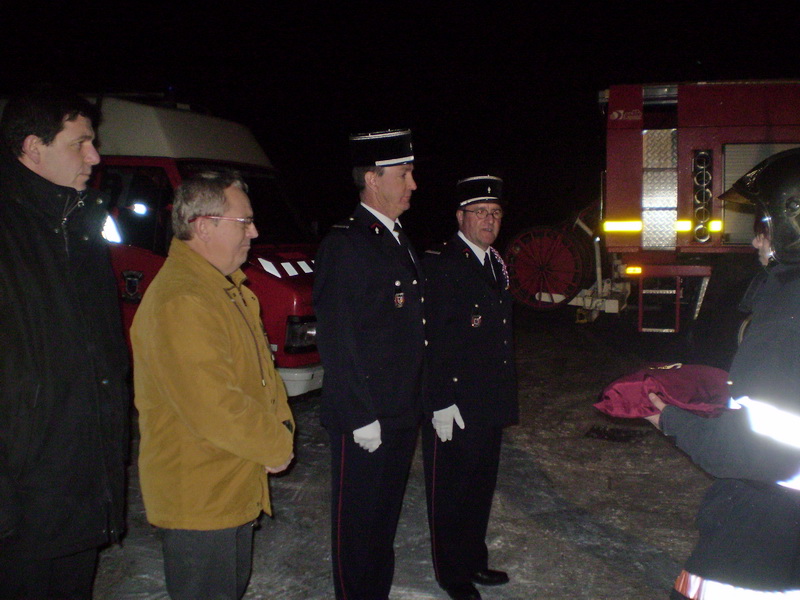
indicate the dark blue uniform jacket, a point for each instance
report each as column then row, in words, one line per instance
column 470, row 338
column 370, row 334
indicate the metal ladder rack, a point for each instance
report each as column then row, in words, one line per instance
column 678, row 272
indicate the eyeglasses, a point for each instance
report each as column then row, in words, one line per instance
column 246, row 221
column 482, row 213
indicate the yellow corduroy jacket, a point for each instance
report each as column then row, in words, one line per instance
column 212, row 409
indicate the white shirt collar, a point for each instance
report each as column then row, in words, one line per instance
column 382, row 218
column 479, row 252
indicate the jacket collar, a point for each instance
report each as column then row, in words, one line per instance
column 32, row 191
column 183, row 254
column 480, row 253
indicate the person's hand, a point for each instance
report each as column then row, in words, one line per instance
column 368, row 436
column 659, row 404
column 283, row 467
column 443, row 422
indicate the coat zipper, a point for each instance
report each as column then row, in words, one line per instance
column 252, row 334
column 110, row 529
column 69, row 208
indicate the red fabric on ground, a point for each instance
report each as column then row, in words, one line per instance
column 698, row 388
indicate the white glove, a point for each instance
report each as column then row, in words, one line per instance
column 368, row 436
column 443, row 422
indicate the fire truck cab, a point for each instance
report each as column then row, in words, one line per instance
column 147, row 150
column 671, row 151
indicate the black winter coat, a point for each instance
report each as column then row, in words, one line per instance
column 749, row 526
column 64, row 398
column 368, row 302
column 470, row 338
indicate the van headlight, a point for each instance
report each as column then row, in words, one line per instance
column 301, row 334
column 111, row 231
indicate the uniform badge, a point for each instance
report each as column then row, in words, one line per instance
column 476, row 318
column 376, row 228
column 399, row 296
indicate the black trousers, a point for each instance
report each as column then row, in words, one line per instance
column 207, row 565
column 460, row 479
column 367, row 491
column 23, row 577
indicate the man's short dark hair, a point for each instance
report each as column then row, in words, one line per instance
column 360, row 172
column 42, row 113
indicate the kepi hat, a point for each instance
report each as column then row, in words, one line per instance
column 484, row 188
column 382, row 148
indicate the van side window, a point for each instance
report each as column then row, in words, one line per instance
column 140, row 201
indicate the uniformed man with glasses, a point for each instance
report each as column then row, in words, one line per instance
column 471, row 387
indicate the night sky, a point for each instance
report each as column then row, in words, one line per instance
column 486, row 87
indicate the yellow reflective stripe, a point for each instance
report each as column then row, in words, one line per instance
column 622, row 226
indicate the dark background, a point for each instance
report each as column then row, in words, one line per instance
column 504, row 88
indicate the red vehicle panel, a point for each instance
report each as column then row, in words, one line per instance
column 147, row 151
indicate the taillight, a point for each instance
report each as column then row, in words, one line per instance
column 301, row 334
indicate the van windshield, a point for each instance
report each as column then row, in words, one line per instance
column 277, row 221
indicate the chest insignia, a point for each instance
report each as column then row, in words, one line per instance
column 399, row 296
column 476, row 318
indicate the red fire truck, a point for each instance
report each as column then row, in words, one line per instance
column 147, row 149
column 659, row 227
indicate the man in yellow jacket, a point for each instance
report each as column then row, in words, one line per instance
column 213, row 413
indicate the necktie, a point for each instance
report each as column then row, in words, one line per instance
column 406, row 247
column 489, row 268
column 400, row 237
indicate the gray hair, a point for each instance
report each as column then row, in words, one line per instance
column 202, row 195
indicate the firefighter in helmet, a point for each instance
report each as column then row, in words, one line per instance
column 749, row 520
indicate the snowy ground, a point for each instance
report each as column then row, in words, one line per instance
column 586, row 507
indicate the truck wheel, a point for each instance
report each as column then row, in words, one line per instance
column 546, row 266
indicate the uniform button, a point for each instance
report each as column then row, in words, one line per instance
column 414, row 282
column 505, row 342
column 85, row 238
column 397, row 282
column 99, row 201
column 104, row 382
column 504, row 321
column 424, row 321
column 455, row 379
column 56, row 230
column 426, row 342
column 422, row 299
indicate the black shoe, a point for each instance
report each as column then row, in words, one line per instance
column 462, row 591
column 490, row 577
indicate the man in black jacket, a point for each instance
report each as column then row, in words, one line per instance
column 368, row 301
column 471, row 383
column 63, row 361
column 749, row 520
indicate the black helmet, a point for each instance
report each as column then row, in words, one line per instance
column 773, row 186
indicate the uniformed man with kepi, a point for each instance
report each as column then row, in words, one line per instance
column 370, row 333
column 471, row 384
